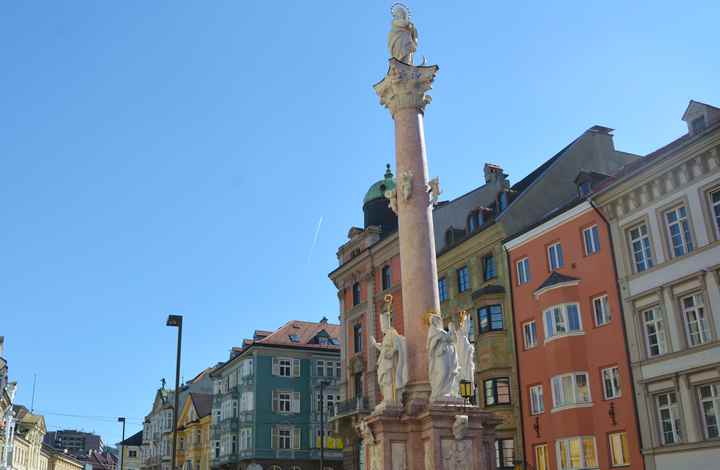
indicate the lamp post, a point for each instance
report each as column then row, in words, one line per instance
column 466, row 390
column 176, row 321
column 323, row 384
column 122, row 446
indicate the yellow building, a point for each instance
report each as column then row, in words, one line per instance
column 193, row 448
column 131, row 452
column 59, row 460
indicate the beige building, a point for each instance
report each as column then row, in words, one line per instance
column 664, row 214
column 27, row 449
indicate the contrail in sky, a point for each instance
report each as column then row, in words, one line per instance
column 315, row 239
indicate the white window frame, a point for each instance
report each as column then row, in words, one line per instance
column 699, row 322
column 576, row 396
column 601, row 310
column 583, row 458
column 658, row 324
column 530, row 334
column 545, row 459
column 712, row 402
column 320, row 368
column 611, row 382
column 555, row 256
column 644, row 249
column 673, row 414
column 522, row 267
column 537, row 403
column 715, row 210
column 684, row 230
column 621, row 458
column 591, row 240
column 551, row 328
column 285, row 367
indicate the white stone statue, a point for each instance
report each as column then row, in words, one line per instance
column 442, row 361
column 434, row 190
column 403, row 37
column 391, row 196
column 465, row 349
column 392, row 372
column 406, row 184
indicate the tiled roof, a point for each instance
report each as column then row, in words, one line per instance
column 555, row 278
column 134, row 440
column 305, row 333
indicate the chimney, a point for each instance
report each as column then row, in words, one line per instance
column 493, row 173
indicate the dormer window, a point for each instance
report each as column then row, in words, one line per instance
column 295, row 338
column 584, row 188
column 474, row 221
column 698, row 124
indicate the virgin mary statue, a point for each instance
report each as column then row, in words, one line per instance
column 402, row 40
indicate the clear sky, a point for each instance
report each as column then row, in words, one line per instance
column 178, row 157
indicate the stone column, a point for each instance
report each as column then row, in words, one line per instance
column 402, row 91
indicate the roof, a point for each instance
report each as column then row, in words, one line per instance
column 305, row 331
column 134, row 440
column 525, row 183
column 694, row 103
column 554, row 279
column 203, row 403
column 377, row 190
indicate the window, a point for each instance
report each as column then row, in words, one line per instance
column 320, row 368
column 715, row 209
column 295, row 338
column 132, row 453
column 217, row 449
column 386, row 278
column 463, row 279
column 611, row 382
column 640, row 248
column 284, row 438
column 537, row 405
column 530, row 334
column 591, row 236
column 654, row 332
column 245, row 438
column 698, row 124
column 330, row 368
column 576, row 453
column 234, row 444
column 570, row 389
column 338, row 369
column 555, row 256
column 696, row 325
column 678, row 228
column 669, row 418
column 234, row 408
column 584, row 188
column 473, row 221
column 710, row 405
column 491, row 318
column 356, row 293
column 562, row 320
column 504, row 453
column 601, row 310
column 285, row 367
column 619, row 453
column 488, row 263
column 357, row 338
column 523, row 271
column 497, row 391
column 358, row 383
column 284, row 400
column 442, row 289
column 541, row 457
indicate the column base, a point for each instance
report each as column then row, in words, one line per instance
column 441, row 437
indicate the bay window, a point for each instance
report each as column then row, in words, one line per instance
column 562, row 320
column 570, row 389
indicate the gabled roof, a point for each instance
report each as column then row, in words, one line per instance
column 134, row 440
column 305, row 332
column 555, row 278
column 202, row 403
column 693, row 104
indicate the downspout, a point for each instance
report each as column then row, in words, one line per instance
column 622, row 323
column 517, row 356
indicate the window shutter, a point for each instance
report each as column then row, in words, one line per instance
column 296, row 368
column 275, row 366
column 275, row 438
column 275, row 404
column 295, row 405
column 296, row 438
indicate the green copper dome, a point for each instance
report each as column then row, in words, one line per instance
column 378, row 189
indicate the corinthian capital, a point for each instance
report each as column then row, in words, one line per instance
column 405, row 86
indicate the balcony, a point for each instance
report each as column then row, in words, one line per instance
column 351, row 407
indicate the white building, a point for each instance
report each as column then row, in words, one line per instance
column 665, row 221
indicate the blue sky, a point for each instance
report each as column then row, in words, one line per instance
column 177, row 157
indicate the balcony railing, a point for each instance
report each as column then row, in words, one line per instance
column 352, row 406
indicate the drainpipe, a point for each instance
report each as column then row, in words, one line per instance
column 622, row 323
column 517, row 356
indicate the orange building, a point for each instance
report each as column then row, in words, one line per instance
column 577, row 397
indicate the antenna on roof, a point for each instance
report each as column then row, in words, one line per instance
column 32, row 402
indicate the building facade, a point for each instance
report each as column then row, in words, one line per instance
column 267, row 400
column 27, row 451
column 60, row 460
column 193, row 452
column 77, row 443
column 130, row 452
column 574, row 370
column 7, row 413
column 665, row 223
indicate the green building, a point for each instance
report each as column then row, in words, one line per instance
column 267, row 400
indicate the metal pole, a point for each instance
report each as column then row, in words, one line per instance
column 322, row 425
column 177, row 397
column 122, row 446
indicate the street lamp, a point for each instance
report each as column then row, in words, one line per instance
column 176, row 321
column 122, row 446
column 466, row 390
column 323, row 384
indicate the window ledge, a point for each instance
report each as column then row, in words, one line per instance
column 557, row 337
column 571, row 407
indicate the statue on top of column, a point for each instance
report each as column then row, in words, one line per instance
column 442, row 361
column 392, row 372
column 403, row 37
